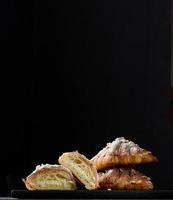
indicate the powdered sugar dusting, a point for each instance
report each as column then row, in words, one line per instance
column 120, row 146
column 42, row 166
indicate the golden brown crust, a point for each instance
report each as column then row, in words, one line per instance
column 122, row 152
column 50, row 177
column 81, row 167
column 124, row 178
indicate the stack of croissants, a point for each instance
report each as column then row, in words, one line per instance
column 110, row 169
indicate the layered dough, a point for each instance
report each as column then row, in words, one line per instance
column 115, row 161
column 81, row 167
column 122, row 152
column 50, row 177
column 124, row 178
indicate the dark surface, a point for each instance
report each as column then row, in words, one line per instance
column 96, row 194
column 78, row 74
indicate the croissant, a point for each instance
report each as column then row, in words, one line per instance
column 50, row 177
column 124, row 178
column 122, row 152
column 81, row 167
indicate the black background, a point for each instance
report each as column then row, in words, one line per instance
column 77, row 74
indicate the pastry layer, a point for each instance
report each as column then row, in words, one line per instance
column 50, row 177
column 122, row 152
column 81, row 167
column 124, row 178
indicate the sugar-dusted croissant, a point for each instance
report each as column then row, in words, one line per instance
column 124, row 178
column 50, row 177
column 121, row 152
column 81, row 167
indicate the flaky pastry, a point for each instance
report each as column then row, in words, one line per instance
column 81, row 167
column 50, row 177
column 124, row 178
column 122, row 152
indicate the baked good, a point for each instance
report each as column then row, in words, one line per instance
column 81, row 167
column 122, row 152
column 124, row 178
column 50, row 177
